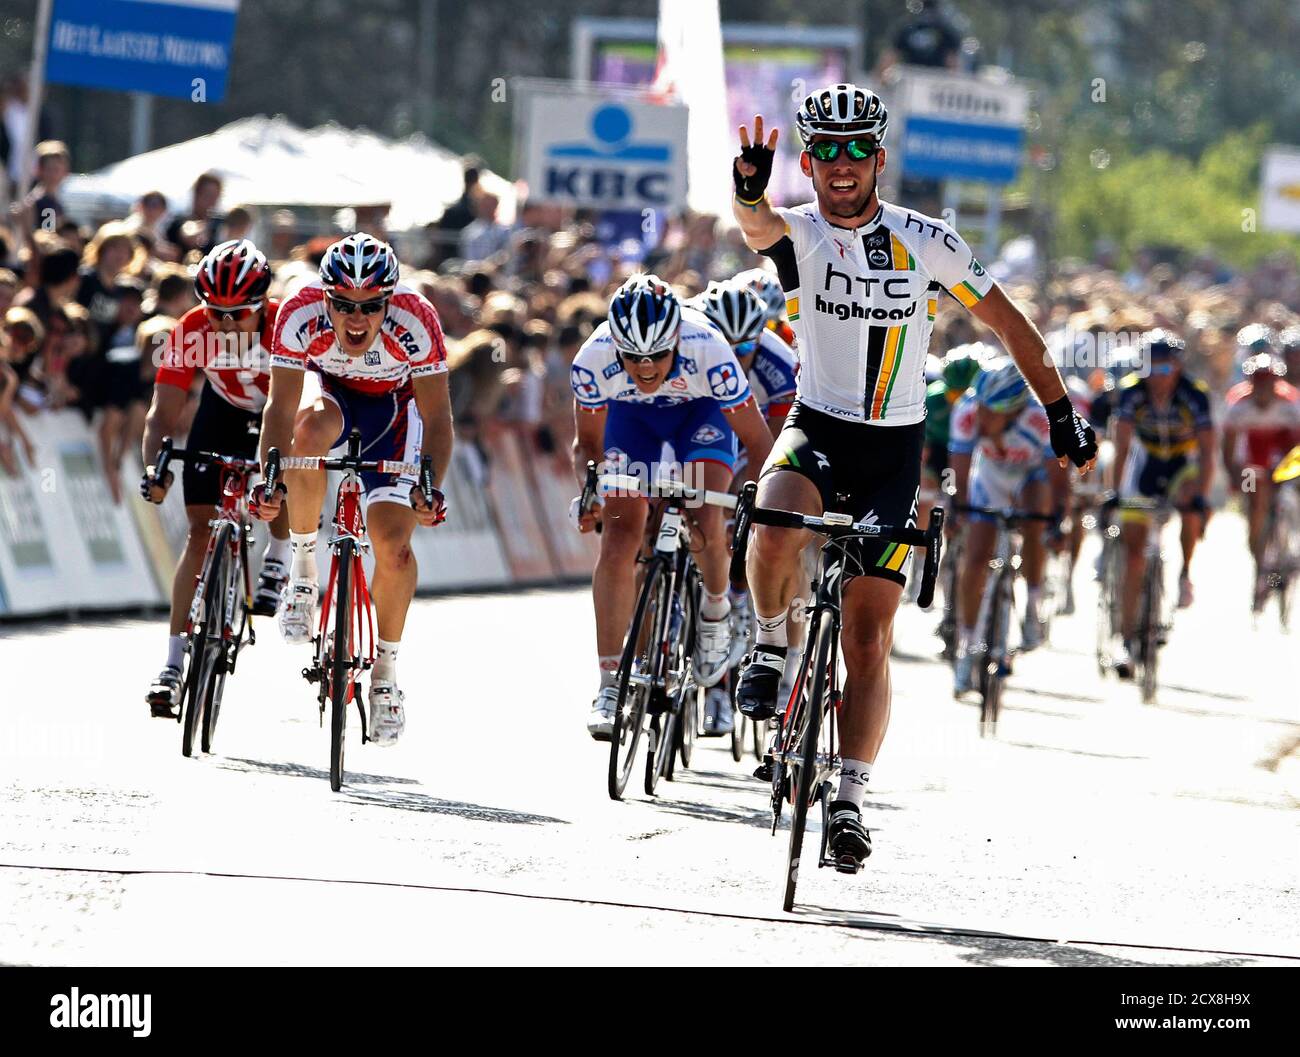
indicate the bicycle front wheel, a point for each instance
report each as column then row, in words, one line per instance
column 1152, row 610
column 804, row 744
column 635, row 675
column 340, row 660
column 205, row 642
column 234, row 616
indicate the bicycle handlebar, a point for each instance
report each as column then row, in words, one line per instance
column 1007, row 513
column 167, row 453
column 835, row 525
column 623, row 482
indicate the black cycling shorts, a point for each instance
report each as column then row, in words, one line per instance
column 221, row 427
column 859, row 469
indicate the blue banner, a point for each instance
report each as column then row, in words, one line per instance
column 955, row 150
column 177, row 48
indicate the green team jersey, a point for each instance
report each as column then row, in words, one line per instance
column 938, row 413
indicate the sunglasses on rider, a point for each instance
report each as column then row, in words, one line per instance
column 744, row 348
column 238, row 313
column 654, row 357
column 366, row 308
column 829, row 149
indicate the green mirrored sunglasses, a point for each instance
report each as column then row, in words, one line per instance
column 829, row 149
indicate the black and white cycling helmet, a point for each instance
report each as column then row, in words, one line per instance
column 735, row 309
column 768, row 288
column 359, row 262
column 842, row 110
column 645, row 316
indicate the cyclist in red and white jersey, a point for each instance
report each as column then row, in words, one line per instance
column 356, row 349
column 226, row 337
column 1261, row 425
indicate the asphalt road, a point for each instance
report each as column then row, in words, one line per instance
column 1093, row 831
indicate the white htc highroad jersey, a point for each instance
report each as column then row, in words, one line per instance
column 862, row 304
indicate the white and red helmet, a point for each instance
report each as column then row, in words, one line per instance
column 359, row 262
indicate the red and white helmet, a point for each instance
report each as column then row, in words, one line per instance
column 233, row 274
column 359, row 262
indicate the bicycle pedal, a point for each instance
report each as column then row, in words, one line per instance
column 847, row 864
column 763, row 772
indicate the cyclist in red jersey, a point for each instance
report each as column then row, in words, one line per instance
column 227, row 337
column 356, row 349
column 1261, row 425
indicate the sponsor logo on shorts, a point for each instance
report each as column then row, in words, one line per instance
column 707, row 434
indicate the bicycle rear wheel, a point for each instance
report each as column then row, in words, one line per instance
column 205, row 642
column 635, row 674
column 805, row 743
column 1105, row 607
column 340, row 661
column 993, row 663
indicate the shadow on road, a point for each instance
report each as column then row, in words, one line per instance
column 407, row 800
column 299, row 770
column 995, row 949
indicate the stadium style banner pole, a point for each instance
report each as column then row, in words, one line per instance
column 35, row 95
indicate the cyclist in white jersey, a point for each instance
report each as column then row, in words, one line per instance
column 862, row 279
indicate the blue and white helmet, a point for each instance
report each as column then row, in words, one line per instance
column 1002, row 387
column 359, row 262
column 735, row 309
column 645, row 316
column 768, row 288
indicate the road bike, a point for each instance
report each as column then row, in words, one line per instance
column 344, row 642
column 992, row 641
column 804, row 754
column 219, row 622
column 658, row 696
column 1280, row 563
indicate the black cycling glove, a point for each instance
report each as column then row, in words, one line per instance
column 750, row 189
column 1071, row 435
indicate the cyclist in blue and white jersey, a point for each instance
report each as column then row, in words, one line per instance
column 740, row 315
column 657, row 373
column 1000, row 450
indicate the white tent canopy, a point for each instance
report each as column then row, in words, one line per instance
column 272, row 162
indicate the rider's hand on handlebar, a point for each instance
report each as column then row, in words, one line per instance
column 266, row 509
column 151, row 488
column 584, row 520
column 426, row 513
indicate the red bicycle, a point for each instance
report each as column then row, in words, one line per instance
column 345, row 640
column 219, row 621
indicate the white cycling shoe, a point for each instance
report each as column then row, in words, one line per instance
column 297, row 613
column 712, row 650
column 600, row 720
column 387, row 716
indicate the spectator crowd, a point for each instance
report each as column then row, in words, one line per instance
column 85, row 308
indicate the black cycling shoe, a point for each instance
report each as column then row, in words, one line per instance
column 760, row 682
column 164, row 695
column 847, row 838
column 270, row 585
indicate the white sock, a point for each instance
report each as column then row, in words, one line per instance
column 175, row 650
column 772, row 630
column 964, row 634
column 715, row 607
column 609, row 670
column 854, row 775
column 303, row 545
column 276, row 551
column 385, row 669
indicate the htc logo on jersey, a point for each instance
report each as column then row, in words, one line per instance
column 889, row 287
column 865, row 287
